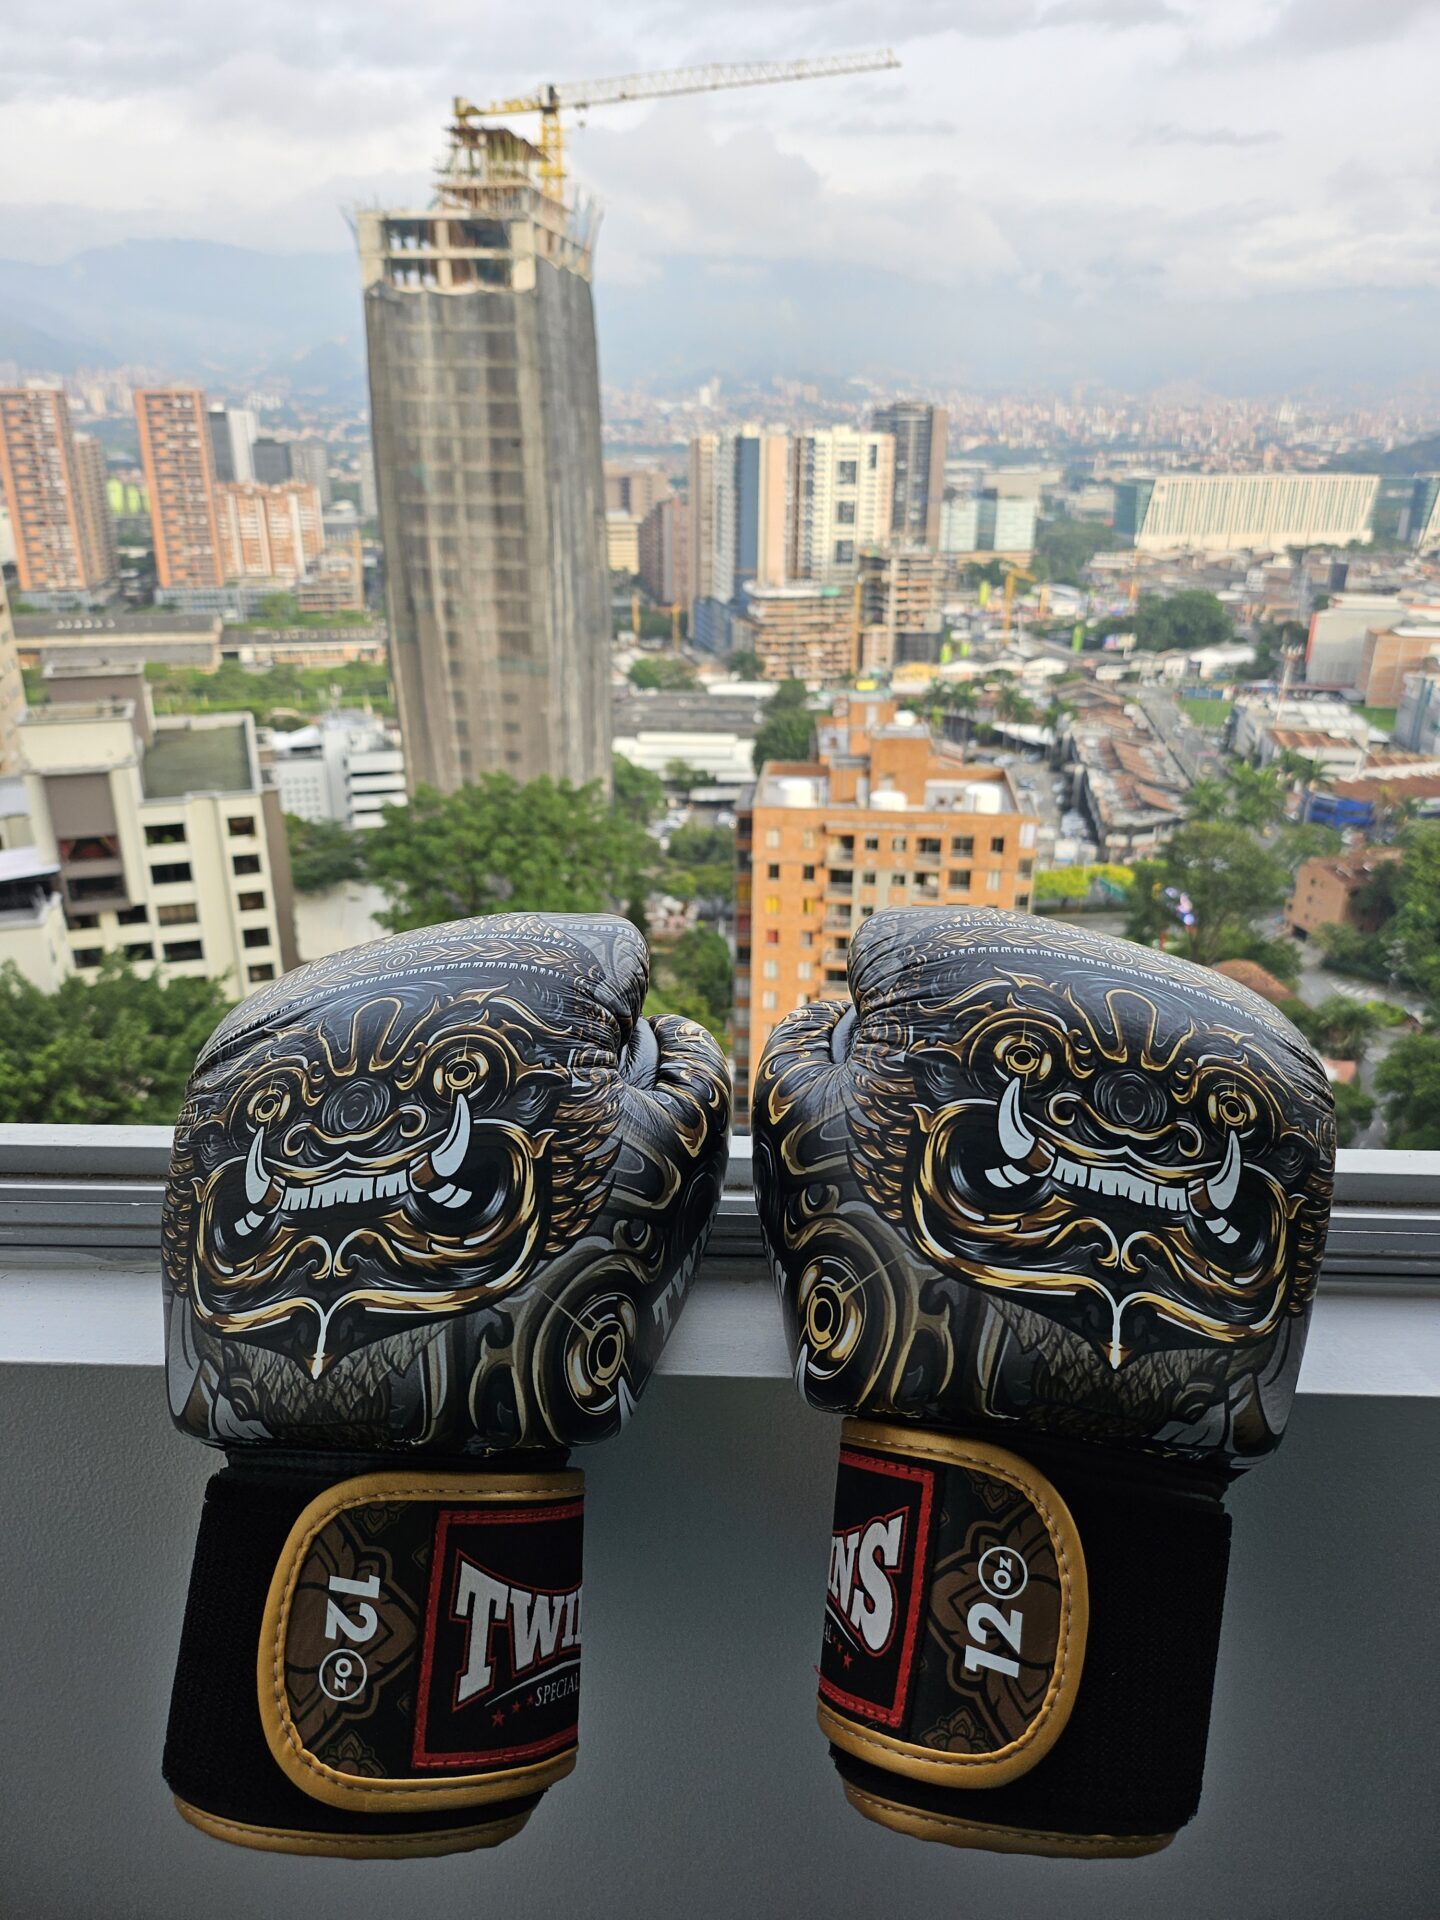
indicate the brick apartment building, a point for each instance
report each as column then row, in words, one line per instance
column 882, row 816
column 1334, row 891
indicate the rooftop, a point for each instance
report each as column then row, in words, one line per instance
column 185, row 759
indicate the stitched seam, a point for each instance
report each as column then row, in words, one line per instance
column 277, row 1665
column 355, row 1840
column 947, row 1763
column 948, row 1823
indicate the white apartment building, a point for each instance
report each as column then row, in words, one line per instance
column 1246, row 512
column 348, row 767
column 842, row 484
column 167, row 844
column 33, row 936
column 1336, row 643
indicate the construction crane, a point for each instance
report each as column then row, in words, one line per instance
column 578, row 96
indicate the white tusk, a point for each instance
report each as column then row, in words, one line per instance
column 1221, row 1191
column 449, row 1156
column 257, row 1179
column 1016, row 1139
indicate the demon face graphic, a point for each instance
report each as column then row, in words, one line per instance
column 405, row 1157
column 1041, row 1174
column 1138, row 1178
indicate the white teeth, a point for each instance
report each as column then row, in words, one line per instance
column 1222, row 1189
column 449, row 1156
column 257, row 1180
column 1015, row 1137
column 1006, row 1176
column 1221, row 1226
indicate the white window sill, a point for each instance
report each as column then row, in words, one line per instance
column 80, row 1286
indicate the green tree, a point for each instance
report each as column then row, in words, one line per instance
column 1064, row 548
column 1361, row 956
column 549, row 847
column 639, row 794
column 114, row 1051
column 1189, row 620
column 1415, row 929
column 1354, row 1110
column 666, row 674
column 1339, row 1027
column 788, row 730
column 700, row 961
column 1012, row 705
column 1408, row 1078
column 744, row 663
column 1230, row 880
column 1306, row 840
column 322, row 854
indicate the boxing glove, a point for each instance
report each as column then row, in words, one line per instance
column 1046, row 1212
column 433, row 1208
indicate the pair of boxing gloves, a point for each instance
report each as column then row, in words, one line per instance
column 1045, row 1211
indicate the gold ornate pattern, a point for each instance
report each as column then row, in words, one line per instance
column 443, row 1190
column 1104, row 1172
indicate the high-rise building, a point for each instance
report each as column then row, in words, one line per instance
column 12, row 690
column 310, row 462
column 270, row 533
column 233, row 433
column 804, row 631
column 841, row 496
column 664, row 550
column 59, row 519
column 270, row 461
column 180, row 481
column 1006, row 524
column 752, row 482
column 901, row 592
column 97, row 523
column 919, row 432
column 881, row 816
column 168, row 844
column 1423, row 523
column 1244, row 512
column 633, row 489
column 485, row 404
column 700, row 497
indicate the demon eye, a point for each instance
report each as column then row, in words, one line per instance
column 269, row 1105
column 1232, row 1109
column 459, row 1074
column 1024, row 1057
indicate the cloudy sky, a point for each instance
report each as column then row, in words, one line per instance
column 1228, row 179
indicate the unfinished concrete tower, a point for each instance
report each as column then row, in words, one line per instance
column 485, row 400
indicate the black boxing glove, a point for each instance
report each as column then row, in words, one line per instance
column 1046, row 1212
column 433, row 1208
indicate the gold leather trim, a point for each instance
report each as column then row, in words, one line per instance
column 354, row 1846
column 951, row 1830
column 1006, row 1763
column 294, row 1759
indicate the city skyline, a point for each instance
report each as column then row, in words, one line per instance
column 1068, row 189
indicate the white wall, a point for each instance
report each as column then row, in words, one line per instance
column 704, row 1791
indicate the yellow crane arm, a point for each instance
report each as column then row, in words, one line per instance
column 715, row 79
column 578, row 95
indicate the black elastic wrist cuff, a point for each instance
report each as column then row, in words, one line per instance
column 1119, row 1767
column 311, row 1652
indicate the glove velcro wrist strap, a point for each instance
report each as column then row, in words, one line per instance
column 1014, row 1661
column 375, row 1665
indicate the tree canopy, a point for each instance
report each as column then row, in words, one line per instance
column 1064, row 548
column 548, row 846
column 114, row 1051
column 1230, row 880
column 788, row 730
column 1189, row 620
column 322, row 854
column 665, row 674
column 639, row 794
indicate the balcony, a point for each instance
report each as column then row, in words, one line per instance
column 722, row 1469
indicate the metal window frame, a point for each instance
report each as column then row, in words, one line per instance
column 80, row 1246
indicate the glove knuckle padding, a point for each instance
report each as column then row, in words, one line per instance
column 1059, row 1178
column 415, row 1202
column 1064, row 1188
